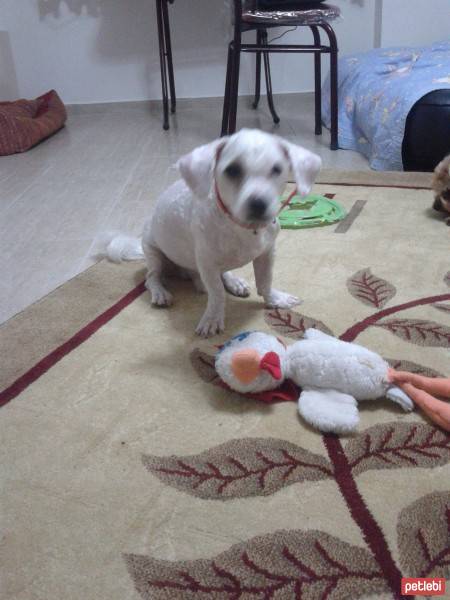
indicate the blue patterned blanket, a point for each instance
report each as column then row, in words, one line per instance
column 377, row 90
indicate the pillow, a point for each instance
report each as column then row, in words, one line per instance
column 24, row 123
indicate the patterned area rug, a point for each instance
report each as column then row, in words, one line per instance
column 129, row 473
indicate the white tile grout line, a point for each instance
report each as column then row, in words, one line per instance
column 7, row 176
column 33, row 182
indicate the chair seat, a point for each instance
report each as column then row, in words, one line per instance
column 310, row 14
column 257, row 15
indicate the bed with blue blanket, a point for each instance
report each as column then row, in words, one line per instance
column 377, row 90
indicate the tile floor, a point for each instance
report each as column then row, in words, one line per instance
column 103, row 171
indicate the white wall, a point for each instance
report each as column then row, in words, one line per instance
column 9, row 87
column 106, row 50
column 418, row 22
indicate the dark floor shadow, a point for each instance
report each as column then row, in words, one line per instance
column 436, row 215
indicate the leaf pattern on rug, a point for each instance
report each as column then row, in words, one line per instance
column 204, row 364
column 397, row 446
column 412, row 367
column 443, row 307
column 370, row 289
column 418, row 331
column 285, row 564
column 423, row 531
column 240, row 468
column 292, row 324
column 312, row 564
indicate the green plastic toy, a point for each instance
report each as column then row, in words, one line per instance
column 311, row 211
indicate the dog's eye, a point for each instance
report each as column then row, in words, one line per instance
column 276, row 170
column 234, row 171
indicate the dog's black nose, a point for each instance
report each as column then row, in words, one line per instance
column 256, row 208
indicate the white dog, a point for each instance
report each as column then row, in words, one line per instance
column 221, row 216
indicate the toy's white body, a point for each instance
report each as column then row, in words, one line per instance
column 321, row 361
column 333, row 375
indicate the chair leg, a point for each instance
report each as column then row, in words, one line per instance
column 258, row 72
column 317, row 82
column 333, row 85
column 173, row 99
column 162, row 60
column 234, row 86
column 226, row 97
column 275, row 117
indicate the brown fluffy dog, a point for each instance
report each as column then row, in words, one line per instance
column 441, row 188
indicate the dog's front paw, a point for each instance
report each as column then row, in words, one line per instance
column 278, row 299
column 236, row 286
column 161, row 297
column 210, row 325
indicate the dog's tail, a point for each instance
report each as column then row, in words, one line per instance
column 118, row 247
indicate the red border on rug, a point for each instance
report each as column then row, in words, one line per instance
column 376, row 185
column 76, row 340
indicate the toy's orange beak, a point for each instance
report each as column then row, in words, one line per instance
column 270, row 362
column 247, row 364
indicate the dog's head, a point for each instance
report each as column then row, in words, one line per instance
column 251, row 169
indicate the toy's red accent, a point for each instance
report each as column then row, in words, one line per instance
column 288, row 391
column 270, row 362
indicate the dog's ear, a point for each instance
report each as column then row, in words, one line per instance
column 197, row 167
column 305, row 166
column 442, row 171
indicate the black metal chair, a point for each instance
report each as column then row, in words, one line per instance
column 165, row 58
column 253, row 18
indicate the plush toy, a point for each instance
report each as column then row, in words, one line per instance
column 332, row 375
